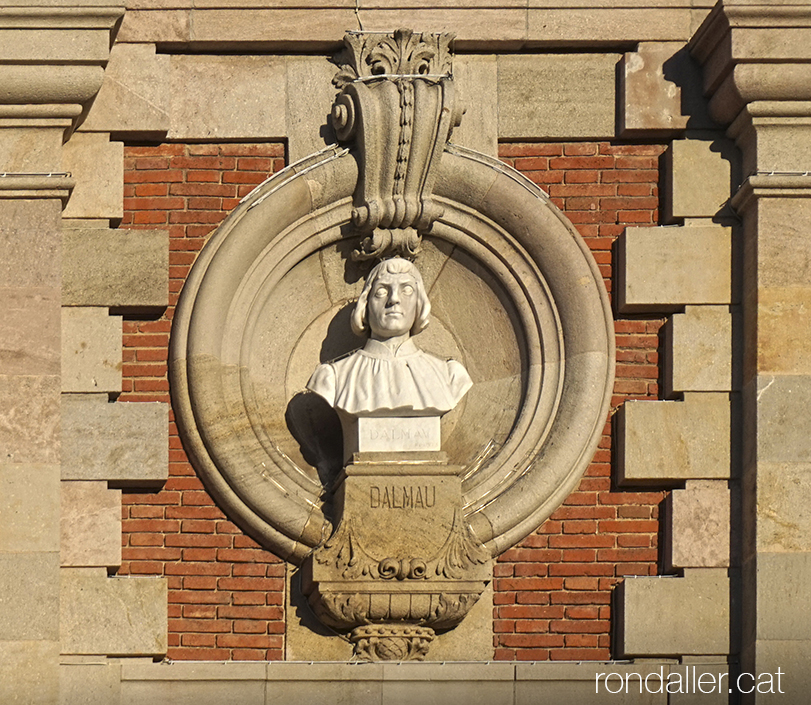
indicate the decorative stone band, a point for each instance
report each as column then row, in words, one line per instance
column 25, row 185
column 496, row 219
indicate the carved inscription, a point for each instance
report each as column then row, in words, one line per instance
column 397, row 433
column 402, row 433
column 402, row 497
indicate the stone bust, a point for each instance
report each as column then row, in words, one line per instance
column 390, row 375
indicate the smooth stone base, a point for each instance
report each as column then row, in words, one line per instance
column 390, row 434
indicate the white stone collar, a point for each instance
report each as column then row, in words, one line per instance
column 378, row 349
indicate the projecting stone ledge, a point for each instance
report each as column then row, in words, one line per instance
column 121, row 269
column 663, row 442
column 664, row 268
column 126, row 444
column 669, row 616
column 114, row 616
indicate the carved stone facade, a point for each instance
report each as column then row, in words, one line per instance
column 407, row 185
column 398, row 156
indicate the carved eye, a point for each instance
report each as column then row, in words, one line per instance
column 408, row 290
column 381, row 292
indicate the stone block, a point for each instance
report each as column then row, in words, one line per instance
column 90, row 525
column 114, row 616
column 196, row 684
column 308, row 105
column 784, row 248
column 698, row 350
column 29, row 329
column 783, row 509
column 661, row 269
column 29, row 419
column 697, row 531
column 90, row 683
column 29, row 672
column 126, row 444
column 783, row 330
column 29, row 508
column 476, row 80
column 593, row 683
column 775, row 142
column 299, row 683
column 783, row 589
column 792, row 658
column 98, row 167
column 543, row 96
column 227, row 97
column 275, row 26
column 30, row 243
column 650, row 101
column 91, row 350
column 784, row 430
column 447, row 684
column 31, row 149
column 607, row 22
column 150, row 26
column 29, row 596
column 134, row 96
column 663, row 616
column 116, row 268
column 699, row 177
column 664, row 442
column 394, row 434
column 496, row 27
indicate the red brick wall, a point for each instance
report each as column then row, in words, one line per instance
column 226, row 595
column 552, row 592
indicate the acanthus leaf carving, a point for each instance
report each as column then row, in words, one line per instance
column 404, row 53
column 461, row 551
column 343, row 552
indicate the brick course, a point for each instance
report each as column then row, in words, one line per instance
column 226, row 594
column 552, row 592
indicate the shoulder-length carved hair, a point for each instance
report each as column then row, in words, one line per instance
column 395, row 265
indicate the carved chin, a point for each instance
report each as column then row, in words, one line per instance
column 391, row 327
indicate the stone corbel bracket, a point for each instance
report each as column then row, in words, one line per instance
column 397, row 105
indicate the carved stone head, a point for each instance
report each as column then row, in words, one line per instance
column 393, row 301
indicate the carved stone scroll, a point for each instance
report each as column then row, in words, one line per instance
column 397, row 106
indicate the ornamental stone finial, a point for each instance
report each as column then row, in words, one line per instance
column 397, row 106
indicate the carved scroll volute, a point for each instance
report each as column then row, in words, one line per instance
column 397, row 105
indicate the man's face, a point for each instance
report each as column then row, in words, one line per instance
column 392, row 305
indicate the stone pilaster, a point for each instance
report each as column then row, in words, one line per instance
column 52, row 59
column 762, row 90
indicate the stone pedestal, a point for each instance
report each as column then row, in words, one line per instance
column 402, row 562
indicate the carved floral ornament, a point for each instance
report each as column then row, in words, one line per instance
column 515, row 297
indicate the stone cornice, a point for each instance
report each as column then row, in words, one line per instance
column 53, row 53
column 771, row 185
column 48, row 17
column 743, row 64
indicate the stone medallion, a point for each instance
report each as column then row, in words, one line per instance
column 516, row 298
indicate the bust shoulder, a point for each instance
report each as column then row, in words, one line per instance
column 323, row 382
